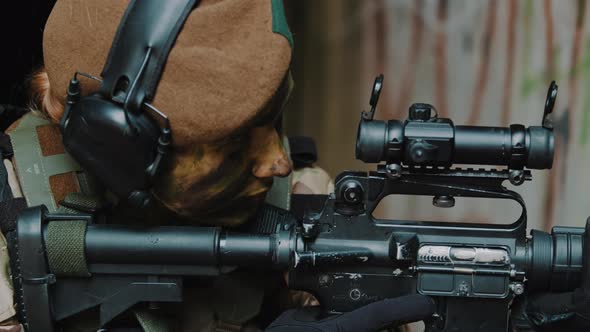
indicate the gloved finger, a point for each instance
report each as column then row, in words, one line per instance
column 372, row 317
column 297, row 320
column 551, row 303
column 547, row 308
column 389, row 312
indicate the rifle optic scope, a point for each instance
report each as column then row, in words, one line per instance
column 427, row 140
column 423, row 140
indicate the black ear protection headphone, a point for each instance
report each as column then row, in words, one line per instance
column 110, row 133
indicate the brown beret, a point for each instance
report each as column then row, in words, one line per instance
column 227, row 63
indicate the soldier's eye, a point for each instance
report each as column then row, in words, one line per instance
column 236, row 140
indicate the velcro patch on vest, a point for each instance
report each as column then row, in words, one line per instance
column 34, row 167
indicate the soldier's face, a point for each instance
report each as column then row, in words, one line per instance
column 224, row 183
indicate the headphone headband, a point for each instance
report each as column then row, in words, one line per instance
column 139, row 51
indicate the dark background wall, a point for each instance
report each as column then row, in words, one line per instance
column 330, row 84
column 21, row 31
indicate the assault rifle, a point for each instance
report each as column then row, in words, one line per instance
column 341, row 254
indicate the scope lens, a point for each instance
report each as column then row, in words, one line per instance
column 371, row 141
column 541, row 148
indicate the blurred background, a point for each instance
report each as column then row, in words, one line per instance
column 479, row 62
column 483, row 62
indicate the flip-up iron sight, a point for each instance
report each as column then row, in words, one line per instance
column 425, row 140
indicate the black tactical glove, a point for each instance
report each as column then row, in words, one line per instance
column 373, row 317
column 565, row 311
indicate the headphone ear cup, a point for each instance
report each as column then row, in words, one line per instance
column 99, row 135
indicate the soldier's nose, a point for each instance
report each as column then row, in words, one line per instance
column 270, row 158
column 274, row 167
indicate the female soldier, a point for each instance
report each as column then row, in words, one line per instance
column 223, row 88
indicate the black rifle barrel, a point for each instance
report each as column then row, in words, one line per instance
column 178, row 245
column 553, row 261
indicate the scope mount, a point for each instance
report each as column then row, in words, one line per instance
column 515, row 176
column 359, row 192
